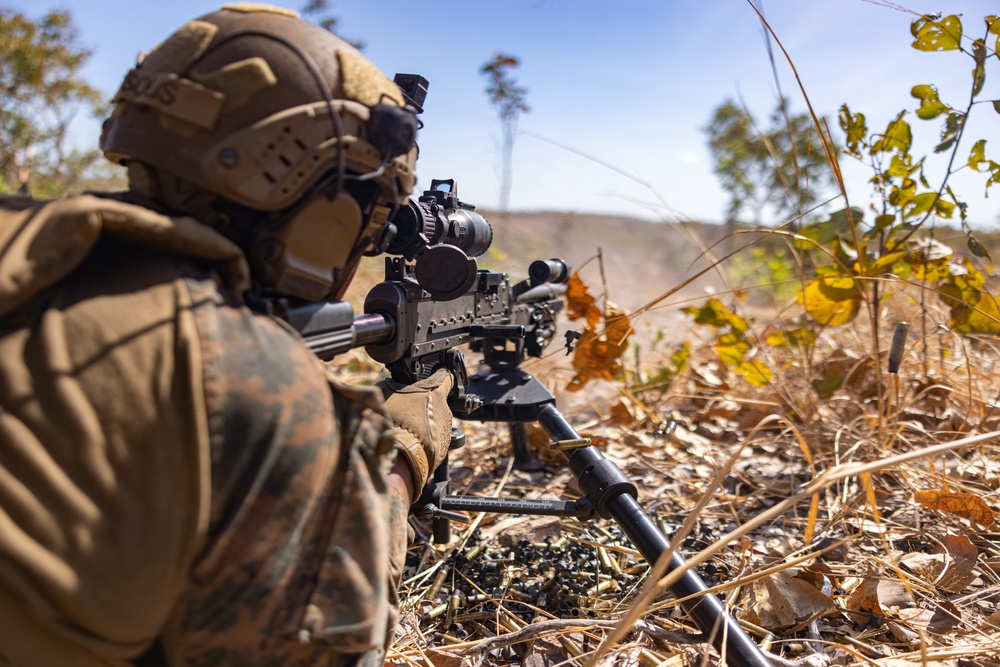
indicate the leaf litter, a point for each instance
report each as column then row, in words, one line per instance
column 845, row 532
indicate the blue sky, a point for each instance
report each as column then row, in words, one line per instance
column 630, row 83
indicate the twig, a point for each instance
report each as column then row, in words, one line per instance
column 533, row 631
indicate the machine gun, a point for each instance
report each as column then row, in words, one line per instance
column 435, row 299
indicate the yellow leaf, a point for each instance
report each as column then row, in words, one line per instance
column 754, row 372
column 937, row 35
column 966, row 505
column 882, row 264
column 801, row 337
column 831, row 301
column 731, row 348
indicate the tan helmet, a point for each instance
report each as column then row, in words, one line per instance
column 257, row 107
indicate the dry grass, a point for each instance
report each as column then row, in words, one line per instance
column 814, row 538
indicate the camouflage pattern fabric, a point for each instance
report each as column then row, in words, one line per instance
column 296, row 561
column 177, row 472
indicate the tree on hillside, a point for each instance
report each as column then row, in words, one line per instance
column 41, row 91
column 509, row 101
column 782, row 166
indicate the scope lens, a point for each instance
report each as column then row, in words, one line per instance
column 468, row 231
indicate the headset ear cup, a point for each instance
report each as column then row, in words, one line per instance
column 392, row 130
column 308, row 251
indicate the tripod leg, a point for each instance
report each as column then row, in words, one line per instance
column 524, row 458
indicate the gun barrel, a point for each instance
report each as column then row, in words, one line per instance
column 373, row 329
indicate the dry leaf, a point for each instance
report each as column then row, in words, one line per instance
column 966, row 505
column 784, row 600
column 925, row 566
column 438, row 658
column 892, row 595
column 877, row 596
column 864, row 598
column 511, row 529
column 951, row 568
column 960, row 571
column 580, row 303
column 904, row 634
column 943, row 618
column 597, row 354
column 622, row 414
column 992, row 622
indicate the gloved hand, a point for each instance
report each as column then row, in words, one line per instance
column 422, row 419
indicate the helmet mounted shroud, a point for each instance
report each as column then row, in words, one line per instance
column 259, row 109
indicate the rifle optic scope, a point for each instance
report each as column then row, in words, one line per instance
column 438, row 217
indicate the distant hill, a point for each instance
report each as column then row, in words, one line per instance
column 642, row 259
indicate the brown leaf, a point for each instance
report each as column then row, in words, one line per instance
column 877, row 595
column 960, row 570
column 864, row 598
column 892, row 595
column 966, row 505
column 597, row 354
column 437, row 658
column 938, row 620
column 784, row 600
column 580, row 303
column 527, row 529
column 992, row 622
column 621, row 414
column 925, row 566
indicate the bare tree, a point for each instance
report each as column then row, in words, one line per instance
column 508, row 100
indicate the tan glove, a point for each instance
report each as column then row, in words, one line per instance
column 422, row 419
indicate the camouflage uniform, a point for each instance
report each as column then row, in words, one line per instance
column 176, row 471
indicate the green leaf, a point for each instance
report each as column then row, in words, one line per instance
column 714, row 313
column 952, row 128
column 901, row 196
column 993, row 24
column 931, row 105
column 937, row 35
column 933, row 271
column 801, row 337
column 994, row 175
column 978, row 154
column 897, row 137
column 732, row 348
column 979, row 72
column 899, row 166
column 827, row 230
column 973, row 310
column 944, row 208
column 996, row 103
column 884, row 263
column 930, row 259
column 921, row 204
column 854, row 127
column 884, row 221
column 826, row 386
column 975, row 246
